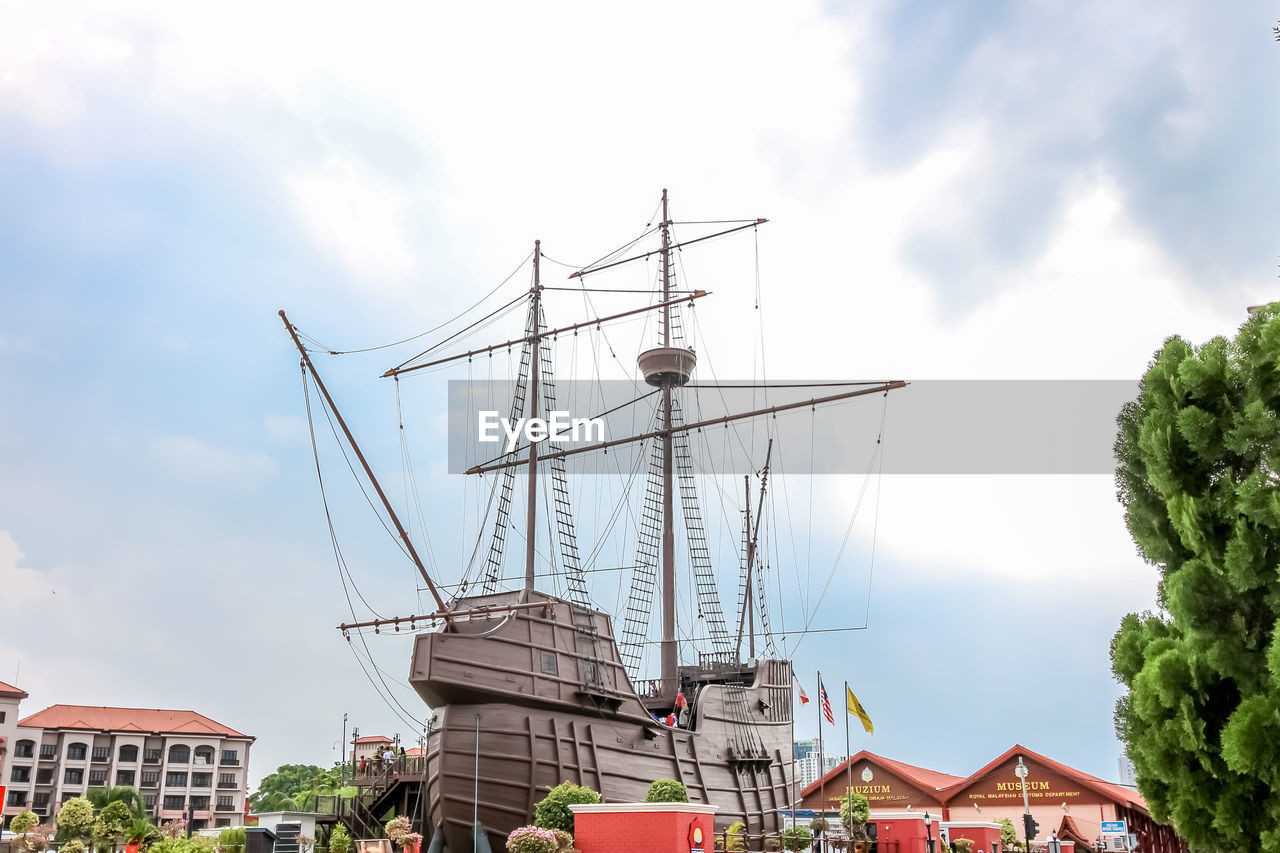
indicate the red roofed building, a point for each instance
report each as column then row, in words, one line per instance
column 177, row 759
column 369, row 748
column 10, row 697
column 1064, row 801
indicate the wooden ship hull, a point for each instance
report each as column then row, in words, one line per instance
column 529, row 691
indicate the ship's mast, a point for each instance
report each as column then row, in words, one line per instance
column 531, row 518
column 670, row 659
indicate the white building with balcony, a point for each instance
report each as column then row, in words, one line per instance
column 176, row 759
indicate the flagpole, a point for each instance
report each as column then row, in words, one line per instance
column 822, row 761
column 848, row 750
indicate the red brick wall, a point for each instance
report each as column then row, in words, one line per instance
column 641, row 832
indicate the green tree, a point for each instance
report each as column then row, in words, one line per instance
column 112, row 824
column 855, row 813
column 130, row 796
column 1198, row 454
column 287, row 783
column 24, row 822
column 75, row 819
column 1008, row 835
column 552, row 812
column 667, row 791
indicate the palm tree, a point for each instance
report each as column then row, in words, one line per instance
column 130, row 796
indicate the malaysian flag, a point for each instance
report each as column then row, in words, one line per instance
column 826, row 703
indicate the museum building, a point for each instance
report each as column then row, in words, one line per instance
column 1063, row 801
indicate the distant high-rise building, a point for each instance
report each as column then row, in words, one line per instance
column 1127, row 775
column 807, row 772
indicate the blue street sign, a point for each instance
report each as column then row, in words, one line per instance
column 1114, row 827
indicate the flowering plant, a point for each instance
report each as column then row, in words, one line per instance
column 413, row 839
column 305, row 842
column 531, row 839
column 37, row 838
column 174, row 828
column 398, row 829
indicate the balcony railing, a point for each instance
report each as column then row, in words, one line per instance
column 150, row 783
column 230, row 762
column 226, row 807
column 230, row 785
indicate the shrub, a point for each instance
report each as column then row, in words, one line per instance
column 796, row 838
column 564, row 841
column 339, row 840
column 398, row 828
column 232, row 840
column 667, row 791
column 76, row 817
column 532, row 839
column 818, row 825
column 735, row 837
column 37, row 838
column 553, row 810
column 964, row 845
column 24, row 823
column 75, row 845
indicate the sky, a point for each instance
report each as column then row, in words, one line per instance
column 970, row 190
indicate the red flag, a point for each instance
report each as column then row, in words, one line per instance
column 804, row 700
column 826, row 703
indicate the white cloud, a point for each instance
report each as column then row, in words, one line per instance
column 21, row 587
column 358, row 216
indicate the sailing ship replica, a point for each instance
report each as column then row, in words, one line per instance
column 529, row 689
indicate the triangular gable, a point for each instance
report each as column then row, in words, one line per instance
column 1048, row 783
column 886, row 784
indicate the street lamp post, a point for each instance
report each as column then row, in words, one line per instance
column 1021, row 773
column 928, row 828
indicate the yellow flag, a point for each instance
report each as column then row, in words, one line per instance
column 854, row 707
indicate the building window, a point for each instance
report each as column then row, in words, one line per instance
column 149, row 800
column 77, row 752
column 124, row 777
column 24, row 748
column 40, row 800
column 48, row 751
column 66, row 795
column 227, row 780
column 20, row 774
column 97, row 778
column 2, row 715
column 179, row 754
column 204, row 755
column 102, row 753
column 175, row 780
column 226, row 804
column 151, row 756
column 129, row 753
column 44, row 776
column 550, row 664
column 222, row 821
column 175, row 803
column 151, row 778
column 198, row 824
column 202, row 780
column 230, row 756
column 73, row 777
column 200, row 804
column 16, row 798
